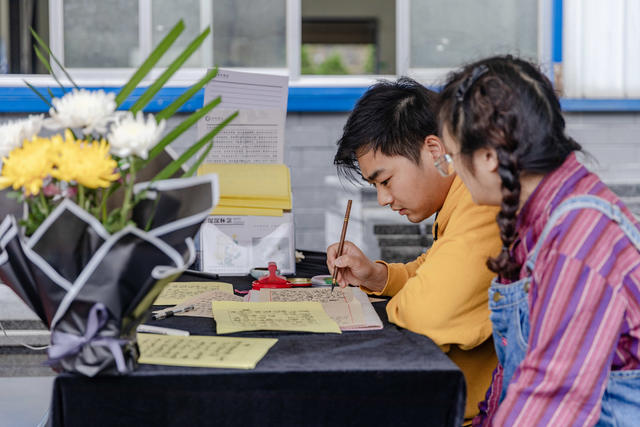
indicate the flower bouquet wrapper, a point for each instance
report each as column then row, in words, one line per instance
column 93, row 288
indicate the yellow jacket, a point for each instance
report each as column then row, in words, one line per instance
column 443, row 294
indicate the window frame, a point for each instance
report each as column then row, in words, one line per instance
column 306, row 93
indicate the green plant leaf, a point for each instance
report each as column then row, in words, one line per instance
column 191, row 151
column 41, row 96
column 193, row 169
column 173, row 107
column 148, row 63
column 47, row 66
column 151, row 91
column 182, row 127
column 45, row 47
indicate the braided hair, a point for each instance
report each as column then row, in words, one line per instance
column 507, row 104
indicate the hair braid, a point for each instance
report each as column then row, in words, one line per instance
column 507, row 104
column 504, row 264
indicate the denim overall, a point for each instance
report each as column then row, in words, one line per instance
column 510, row 318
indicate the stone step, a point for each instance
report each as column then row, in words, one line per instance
column 401, row 254
column 421, row 240
column 380, row 229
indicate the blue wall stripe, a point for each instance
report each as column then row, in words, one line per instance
column 301, row 99
column 603, row 105
column 23, row 100
column 556, row 36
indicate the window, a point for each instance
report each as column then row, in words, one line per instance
column 447, row 33
column 249, row 33
column 348, row 37
column 16, row 54
column 101, row 34
column 344, row 44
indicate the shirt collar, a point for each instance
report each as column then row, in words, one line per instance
column 549, row 192
column 449, row 205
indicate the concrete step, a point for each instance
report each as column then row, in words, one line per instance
column 386, row 240
column 401, row 254
column 384, row 229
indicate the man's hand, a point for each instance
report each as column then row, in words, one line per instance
column 355, row 268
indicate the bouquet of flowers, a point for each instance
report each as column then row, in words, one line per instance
column 95, row 245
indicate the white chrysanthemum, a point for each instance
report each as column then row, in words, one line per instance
column 90, row 110
column 131, row 135
column 14, row 132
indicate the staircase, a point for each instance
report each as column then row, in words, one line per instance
column 402, row 242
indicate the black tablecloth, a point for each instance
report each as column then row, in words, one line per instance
column 386, row 377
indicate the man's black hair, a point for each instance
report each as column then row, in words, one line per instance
column 393, row 118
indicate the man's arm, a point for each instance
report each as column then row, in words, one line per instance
column 446, row 299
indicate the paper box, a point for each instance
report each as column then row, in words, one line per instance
column 233, row 245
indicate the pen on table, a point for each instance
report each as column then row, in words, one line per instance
column 168, row 313
column 150, row 329
column 341, row 244
column 202, row 274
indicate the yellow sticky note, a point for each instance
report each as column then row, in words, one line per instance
column 248, row 180
column 304, row 316
column 177, row 292
column 255, row 203
column 203, row 351
column 238, row 210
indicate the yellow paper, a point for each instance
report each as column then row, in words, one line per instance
column 340, row 305
column 304, row 316
column 236, row 210
column 246, row 181
column 177, row 292
column 255, row 203
column 203, row 351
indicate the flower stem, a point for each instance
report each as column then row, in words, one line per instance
column 81, row 196
column 128, row 194
column 44, row 206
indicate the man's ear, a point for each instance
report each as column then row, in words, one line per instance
column 433, row 146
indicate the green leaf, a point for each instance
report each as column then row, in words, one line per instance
column 151, row 60
column 39, row 94
column 193, row 169
column 173, row 107
column 45, row 47
column 182, row 127
column 151, row 91
column 191, row 151
column 47, row 66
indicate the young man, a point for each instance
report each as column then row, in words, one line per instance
column 390, row 139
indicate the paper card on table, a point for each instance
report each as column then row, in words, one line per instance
column 341, row 304
column 306, row 316
column 177, row 292
column 320, row 294
column 203, row 351
column 202, row 304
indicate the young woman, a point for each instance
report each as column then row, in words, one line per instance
column 565, row 306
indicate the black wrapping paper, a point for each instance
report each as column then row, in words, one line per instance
column 92, row 288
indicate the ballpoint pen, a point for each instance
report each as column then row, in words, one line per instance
column 341, row 244
column 169, row 313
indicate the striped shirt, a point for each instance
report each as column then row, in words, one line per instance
column 584, row 307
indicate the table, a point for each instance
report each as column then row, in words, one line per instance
column 386, row 377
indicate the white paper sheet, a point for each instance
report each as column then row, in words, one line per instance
column 257, row 134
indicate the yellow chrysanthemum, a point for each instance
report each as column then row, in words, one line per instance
column 87, row 163
column 27, row 166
